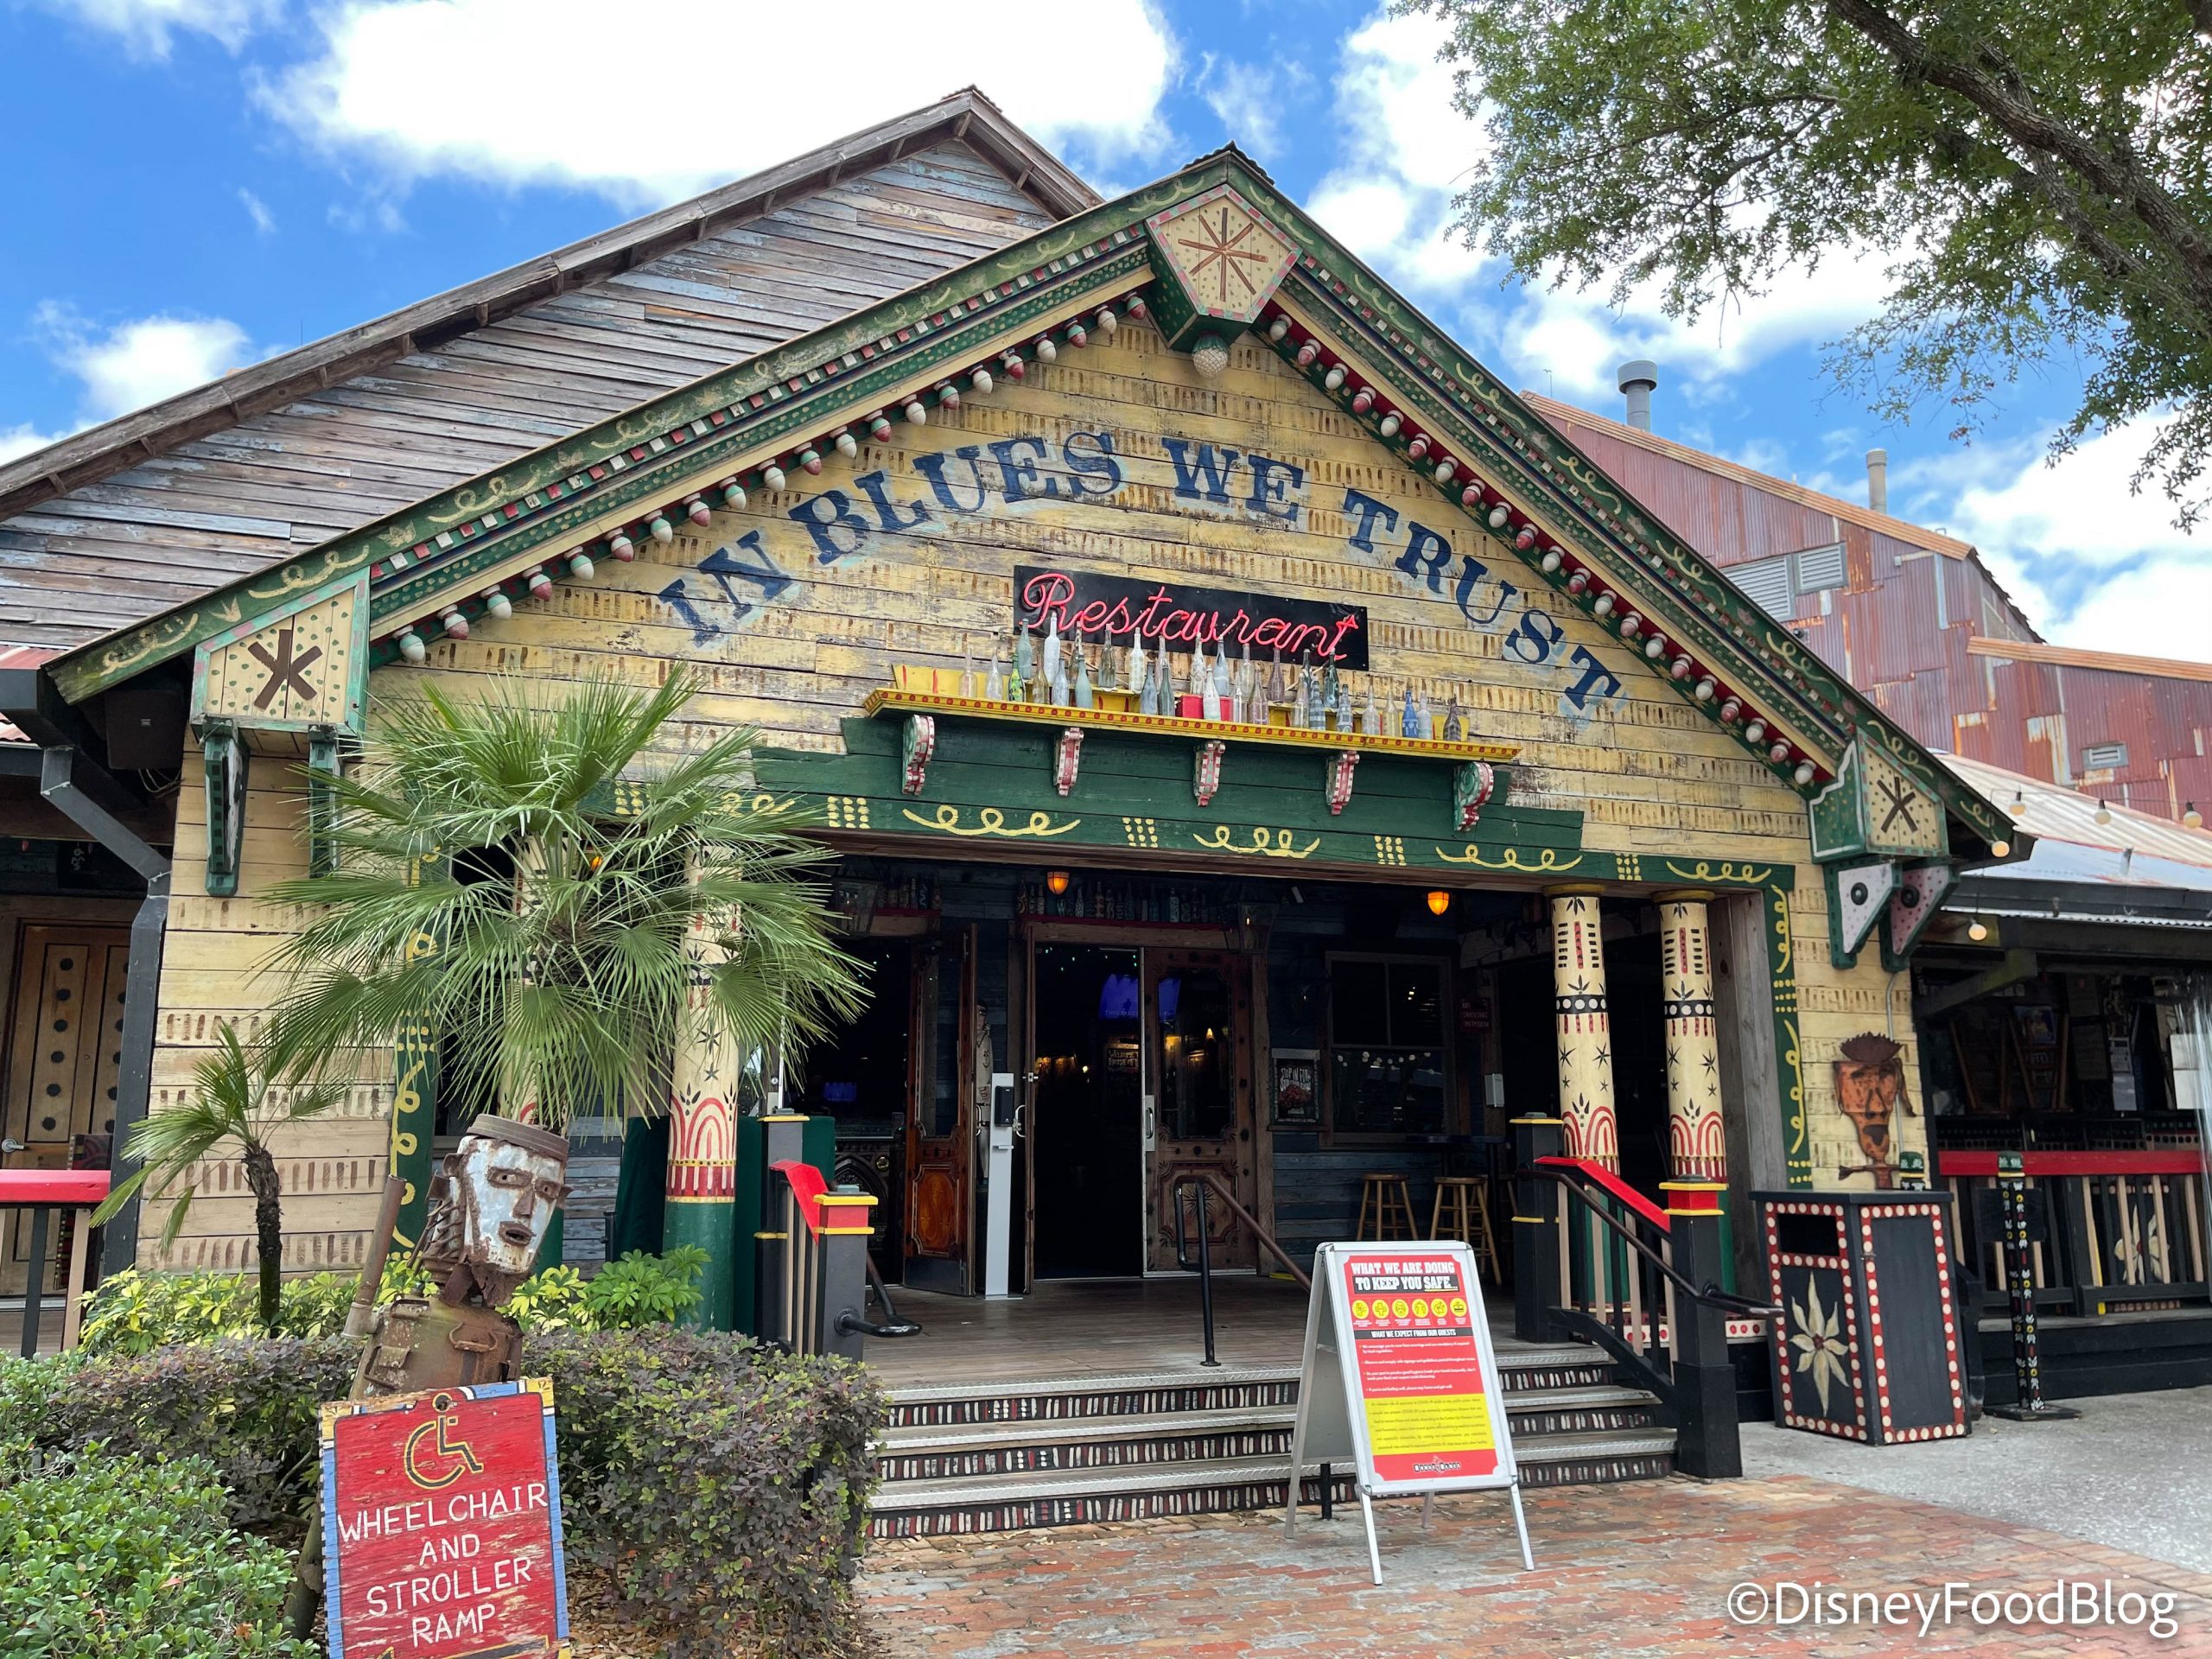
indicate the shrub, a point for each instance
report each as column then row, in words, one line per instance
column 135, row 1313
column 721, row 1487
column 115, row 1557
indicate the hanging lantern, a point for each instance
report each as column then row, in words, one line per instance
column 1044, row 350
column 847, row 445
column 663, row 532
column 455, row 624
column 915, row 414
column 1438, row 901
column 1278, row 328
column 772, row 477
column 497, row 605
column 1107, row 321
column 696, row 508
column 1076, row 336
column 618, row 543
column 948, row 395
column 979, row 382
column 1334, row 378
column 1055, row 881
column 1306, row 353
column 411, row 646
column 1363, row 400
column 878, row 427
column 1552, row 560
column 1389, row 424
column 734, row 496
column 537, row 581
column 580, row 567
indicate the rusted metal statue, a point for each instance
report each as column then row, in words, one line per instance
column 490, row 1205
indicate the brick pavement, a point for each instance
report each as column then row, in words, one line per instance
column 1642, row 1569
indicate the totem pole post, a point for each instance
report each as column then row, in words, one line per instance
column 2028, row 1407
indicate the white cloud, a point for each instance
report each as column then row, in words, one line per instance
column 140, row 362
column 2092, row 564
column 554, row 91
column 22, row 440
column 1248, row 100
column 264, row 222
column 148, row 26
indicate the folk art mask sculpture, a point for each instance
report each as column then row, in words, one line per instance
column 490, row 1206
column 1870, row 1089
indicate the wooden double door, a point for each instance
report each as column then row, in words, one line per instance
column 64, row 1061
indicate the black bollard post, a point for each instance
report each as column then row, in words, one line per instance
column 2020, row 1282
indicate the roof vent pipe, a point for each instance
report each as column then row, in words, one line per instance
column 1637, row 381
column 1878, row 480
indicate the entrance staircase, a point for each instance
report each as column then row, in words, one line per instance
column 982, row 1457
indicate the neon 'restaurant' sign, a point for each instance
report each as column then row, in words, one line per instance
column 1115, row 610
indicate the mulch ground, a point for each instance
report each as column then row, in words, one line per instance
column 1644, row 1569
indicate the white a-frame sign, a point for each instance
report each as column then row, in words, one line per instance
column 1400, row 1381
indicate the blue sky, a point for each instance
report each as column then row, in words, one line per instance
column 198, row 183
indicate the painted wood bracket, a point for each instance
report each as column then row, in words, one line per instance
column 1339, row 779
column 1470, row 788
column 1919, row 896
column 920, row 743
column 224, row 757
column 1205, row 775
column 325, row 766
column 1859, row 894
column 1067, row 756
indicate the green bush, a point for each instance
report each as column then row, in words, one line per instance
column 721, row 1487
column 135, row 1313
column 113, row 1557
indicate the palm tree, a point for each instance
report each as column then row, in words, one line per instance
column 488, row 884
column 232, row 1101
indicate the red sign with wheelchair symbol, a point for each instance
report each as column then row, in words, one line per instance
column 442, row 1524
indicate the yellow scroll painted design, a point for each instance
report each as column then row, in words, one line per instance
column 1267, row 843
column 1546, row 861
column 990, row 821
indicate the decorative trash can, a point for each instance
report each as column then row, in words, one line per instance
column 1868, row 1345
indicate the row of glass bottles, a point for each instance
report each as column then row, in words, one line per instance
column 1319, row 699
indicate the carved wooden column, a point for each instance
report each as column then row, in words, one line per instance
column 702, row 1131
column 1697, row 1142
column 1585, row 1041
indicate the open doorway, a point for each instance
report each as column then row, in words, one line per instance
column 1087, row 1126
column 861, row 1078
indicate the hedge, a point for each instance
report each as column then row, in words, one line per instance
column 722, row 1488
column 112, row 1557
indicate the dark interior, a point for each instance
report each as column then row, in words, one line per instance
column 1087, row 1126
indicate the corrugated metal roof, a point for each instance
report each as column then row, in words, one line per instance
column 2051, row 813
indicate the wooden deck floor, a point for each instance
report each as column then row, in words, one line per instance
column 1100, row 1328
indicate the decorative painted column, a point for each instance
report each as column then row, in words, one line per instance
column 1585, row 1031
column 702, row 1131
column 1697, row 1144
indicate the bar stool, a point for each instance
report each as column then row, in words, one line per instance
column 1388, row 1201
column 1462, row 1211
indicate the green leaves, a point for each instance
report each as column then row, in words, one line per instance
column 2037, row 178
column 488, row 885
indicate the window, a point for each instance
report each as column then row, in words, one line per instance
column 1821, row 567
column 1766, row 584
column 1387, row 1053
column 2104, row 757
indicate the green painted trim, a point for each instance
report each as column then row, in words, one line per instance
column 1788, row 1060
column 710, row 1223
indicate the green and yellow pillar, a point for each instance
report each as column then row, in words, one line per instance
column 1583, row 1026
column 702, row 1199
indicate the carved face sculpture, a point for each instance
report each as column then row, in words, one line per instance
column 492, row 1205
column 1870, row 1087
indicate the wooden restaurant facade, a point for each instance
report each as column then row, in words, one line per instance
column 1239, row 719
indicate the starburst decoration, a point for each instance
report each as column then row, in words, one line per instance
column 1818, row 1341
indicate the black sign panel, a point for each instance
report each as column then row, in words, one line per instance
column 1119, row 611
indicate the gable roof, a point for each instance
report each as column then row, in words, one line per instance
column 126, row 519
column 2110, row 662
column 1578, row 531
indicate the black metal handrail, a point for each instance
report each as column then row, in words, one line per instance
column 1710, row 1293
column 1205, row 1181
column 891, row 1325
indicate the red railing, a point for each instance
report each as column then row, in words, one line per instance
column 43, row 1192
column 1619, row 1189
